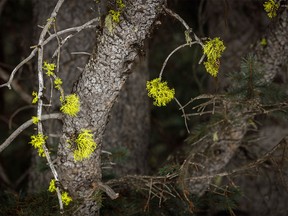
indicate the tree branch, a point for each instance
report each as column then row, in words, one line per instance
column 24, row 126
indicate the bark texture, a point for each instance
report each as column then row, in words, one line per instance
column 98, row 88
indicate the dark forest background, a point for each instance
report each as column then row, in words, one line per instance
column 240, row 24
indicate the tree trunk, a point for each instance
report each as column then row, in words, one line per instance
column 98, row 88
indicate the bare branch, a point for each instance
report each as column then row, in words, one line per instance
column 108, row 190
column 16, row 86
column 87, row 25
column 184, row 115
column 166, row 60
column 24, row 126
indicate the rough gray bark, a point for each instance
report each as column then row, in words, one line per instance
column 210, row 156
column 273, row 57
column 98, row 88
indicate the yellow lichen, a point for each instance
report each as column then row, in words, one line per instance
column 115, row 16
column 85, row 145
column 271, row 8
column 49, row 68
column 37, row 141
column 263, row 42
column 120, row 4
column 58, row 82
column 52, row 186
column 35, row 119
column 66, row 199
column 160, row 92
column 35, row 97
column 213, row 49
column 70, row 105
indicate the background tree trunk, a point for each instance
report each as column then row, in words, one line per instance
column 129, row 125
column 239, row 24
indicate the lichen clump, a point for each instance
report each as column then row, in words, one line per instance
column 213, row 49
column 66, row 199
column 35, row 97
column 49, row 68
column 160, row 92
column 71, row 105
column 37, row 141
column 85, row 145
column 271, row 8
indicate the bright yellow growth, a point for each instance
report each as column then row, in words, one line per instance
column 35, row 119
column 213, row 49
column 66, row 199
column 120, row 4
column 271, row 8
column 71, row 105
column 263, row 42
column 115, row 15
column 58, row 82
column 37, row 141
column 52, row 186
column 160, row 92
column 35, row 99
column 85, row 145
column 49, row 68
column 212, row 67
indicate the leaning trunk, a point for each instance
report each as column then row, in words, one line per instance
column 98, row 88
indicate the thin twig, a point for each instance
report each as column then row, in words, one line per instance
column 24, row 126
column 40, row 92
column 166, row 60
column 149, row 196
column 108, row 190
column 81, row 53
column 173, row 14
column 16, row 112
column 179, row 18
column 86, row 25
column 184, row 115
column 16, row 86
